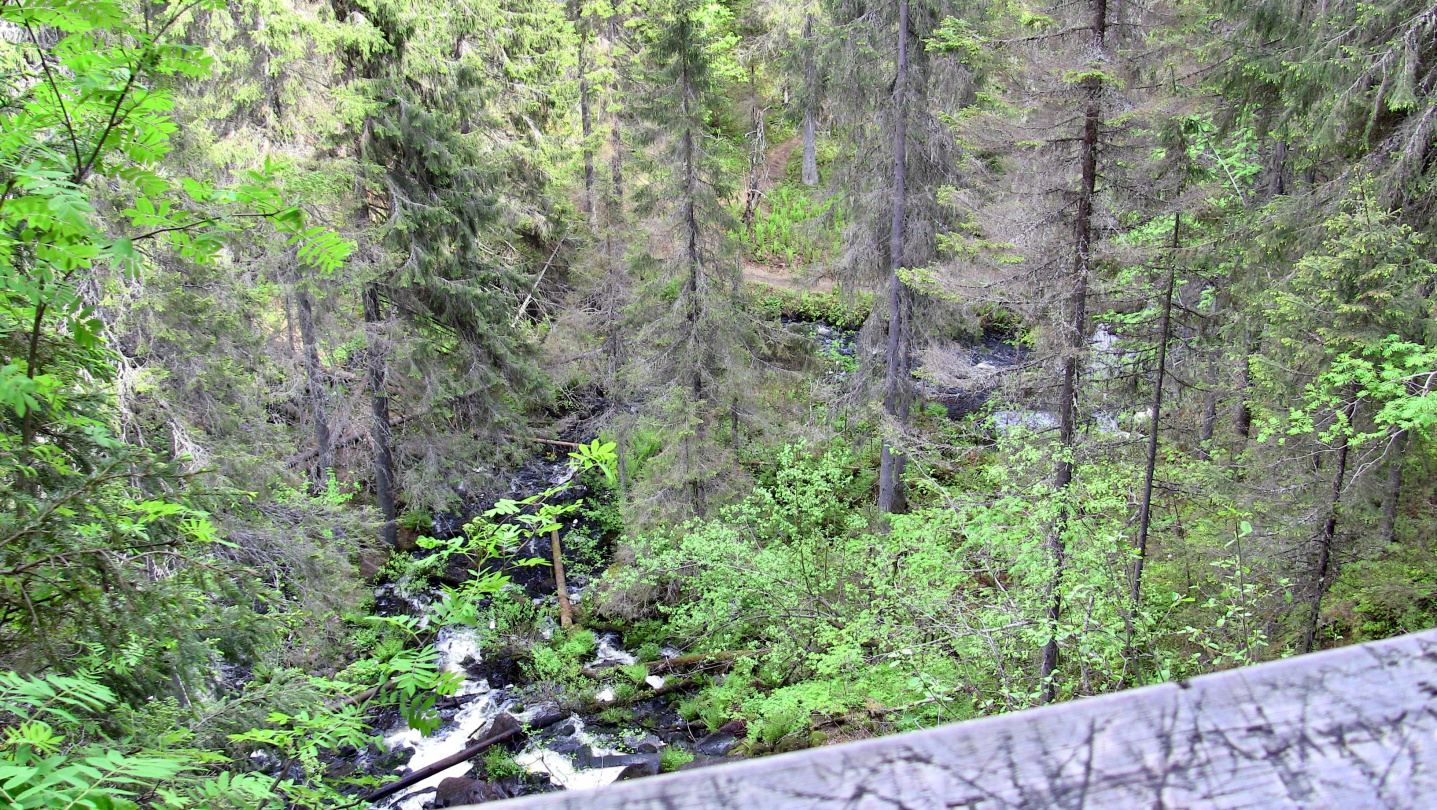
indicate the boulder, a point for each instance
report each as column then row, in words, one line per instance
column 716, row 744
column 457, row 791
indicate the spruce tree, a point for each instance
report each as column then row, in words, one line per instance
column 693, row 351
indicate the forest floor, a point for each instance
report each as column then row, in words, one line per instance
column 777, row 275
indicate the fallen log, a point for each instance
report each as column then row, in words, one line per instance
column 684, row 661
column 443, row 764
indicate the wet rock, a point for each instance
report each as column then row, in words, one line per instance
column 706, row 761
column 448, row 526
column 394, row 760
column 460, row 790
column 545, row 715
column 406, row 539
column 634, row 765
column 504, row 722
column 645, row 744
column 716, row 744
column 499, row 667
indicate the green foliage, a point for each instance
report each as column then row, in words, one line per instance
column 672, row 758
column 54, row 756
column 843, row 310
column 793, row 229
column 499, row 764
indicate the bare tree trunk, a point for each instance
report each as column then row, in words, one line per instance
column 810, row 150
column 616, row 160
column 566, row 613
column 895, row 397
column 586, row 123
column 810, row 127
column 1322, row 574
column 1243, row 419
column 1145, row 508
column 289, row 321
column 1275, row 184
column 380, row 433
column 1397, row 446
column 757, row 159
column 1068, row 416
column 317, row 399
column 694, row 287
column 1209, row 412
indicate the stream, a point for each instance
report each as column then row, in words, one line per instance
column 564, row 749
column 568, row 749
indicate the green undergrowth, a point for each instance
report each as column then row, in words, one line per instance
column 835, row 308
column 793, row 228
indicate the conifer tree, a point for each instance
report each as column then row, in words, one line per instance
column 694, row 344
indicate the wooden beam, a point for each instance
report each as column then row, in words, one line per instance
column 1349, row 728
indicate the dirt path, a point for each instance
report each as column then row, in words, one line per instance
column 777, row 275
column 777, row 162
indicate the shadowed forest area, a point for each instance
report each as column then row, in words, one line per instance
column 411, row 404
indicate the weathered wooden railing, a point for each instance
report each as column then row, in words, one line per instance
column 1349, row 728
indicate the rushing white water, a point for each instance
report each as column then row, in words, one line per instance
column 561, row 771
column 459, row 646
column 447, row 741
column 610, row 653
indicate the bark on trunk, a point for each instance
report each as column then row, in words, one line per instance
column 1067, row 431
column 1397, row 446
column 324, row 455
column 895, row 397
column 380, row 434
column 616, row 160
column 1145, row 509
column 810, row 150
column 586, row 124
column 1323, row 571
column 694, row 289
column 1275, row 185
column 566, row 613
column 1243, row 419
column 810, row 100
column 757, row 159
column 1209, row 412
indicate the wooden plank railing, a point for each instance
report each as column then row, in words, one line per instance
column 1349, row 728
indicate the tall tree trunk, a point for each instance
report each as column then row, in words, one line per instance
column 1242, row 420
column 1275, row 184
column 694, row 288
column 895, row 397
column 616, row 160
column 1145, row 507
column 380, row 435
column 324, row 458
column 1322, row 573
column 289, row 321
column 1397, row 446
column 810, row 106
column 1068, row 416
column 810, row 150
column 757, row 160
column 586, row 123
column 1209, row 411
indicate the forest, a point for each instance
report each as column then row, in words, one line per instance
column 415, row 403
